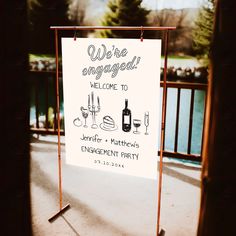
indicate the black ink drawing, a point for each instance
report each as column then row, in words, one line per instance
column 136, row 123
column 108, row 124
column 146, row 121
column 126, row 118
column 77, row 122
column 94, row 109
column 85, row 113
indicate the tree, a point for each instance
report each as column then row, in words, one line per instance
column 77, row 12
column 202, row 33
column 43, row 14
column 124, row 13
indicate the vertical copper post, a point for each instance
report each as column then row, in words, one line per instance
column 58, row 122
column 61, row 209
column 163, row 122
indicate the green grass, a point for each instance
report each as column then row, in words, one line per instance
column 33, row 57
column 178, row 57
column 177, row 60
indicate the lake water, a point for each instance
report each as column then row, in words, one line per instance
column 198, row 116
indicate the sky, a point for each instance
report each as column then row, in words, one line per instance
column 175, row 4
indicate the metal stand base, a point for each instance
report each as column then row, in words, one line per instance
column 65, row 208
column 162, row 232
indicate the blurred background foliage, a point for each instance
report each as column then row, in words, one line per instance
column 124, row 13
column 192, row 36
column 42, row 15
column 203, row 31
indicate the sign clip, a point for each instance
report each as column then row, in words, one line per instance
column 75, row 32
column 141, row 36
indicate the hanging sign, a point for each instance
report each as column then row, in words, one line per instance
column 111, row 104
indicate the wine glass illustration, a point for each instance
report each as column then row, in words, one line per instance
column 146, row 121
column 136, row 124
column 85, row 113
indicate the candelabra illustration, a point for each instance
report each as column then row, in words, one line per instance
column 94, row 109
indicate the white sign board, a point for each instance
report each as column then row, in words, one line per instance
column 111, row 104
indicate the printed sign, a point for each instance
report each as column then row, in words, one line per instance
column 111, row 104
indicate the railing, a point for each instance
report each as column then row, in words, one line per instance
column 188, row 155
column 43, row 97
column 41, row 90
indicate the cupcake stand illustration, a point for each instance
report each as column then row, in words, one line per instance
column 108, row 124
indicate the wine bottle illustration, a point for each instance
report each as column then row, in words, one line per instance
column 126, row 118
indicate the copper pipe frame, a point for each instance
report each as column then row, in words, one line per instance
column 166, row 29
column 163, row 124
column 61, row 209
column 141, row 28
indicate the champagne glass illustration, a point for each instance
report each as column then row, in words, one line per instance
column 146, row 121
column 85, row 113
column 136, row 123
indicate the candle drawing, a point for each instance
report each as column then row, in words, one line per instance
column 94, row 109
column 92, row 99
column 88, row 100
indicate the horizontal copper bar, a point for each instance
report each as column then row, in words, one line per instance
column 112, row 28
column 182, row 156
column 185, row 85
